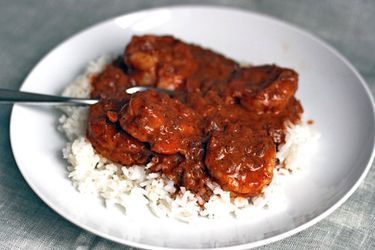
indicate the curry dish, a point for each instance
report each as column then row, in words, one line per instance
column 224, row 123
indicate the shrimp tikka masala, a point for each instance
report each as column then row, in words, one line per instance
column 223, row 124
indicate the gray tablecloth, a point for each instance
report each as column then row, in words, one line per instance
column 29, row 29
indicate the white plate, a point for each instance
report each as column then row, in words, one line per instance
column 331, row 90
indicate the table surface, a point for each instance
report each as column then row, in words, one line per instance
column 29, row 29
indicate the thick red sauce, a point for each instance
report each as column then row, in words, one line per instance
column 224, row 122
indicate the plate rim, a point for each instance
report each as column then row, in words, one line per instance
column 257, row 243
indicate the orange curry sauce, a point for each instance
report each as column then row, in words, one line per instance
column 223, row 123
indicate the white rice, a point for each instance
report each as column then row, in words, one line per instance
column 130, row 187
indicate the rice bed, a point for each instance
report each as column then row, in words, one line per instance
column 130, row 187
